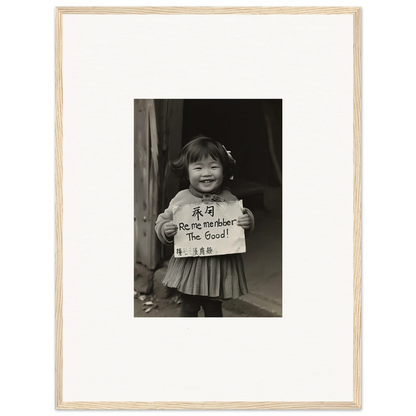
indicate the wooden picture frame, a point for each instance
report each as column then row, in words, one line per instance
column 60, row 402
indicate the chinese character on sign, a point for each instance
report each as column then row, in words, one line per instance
column 209, row 250
column 202, row 251
column 197, row 212
column 210, row 210
column 179, row 252
column 195, row 251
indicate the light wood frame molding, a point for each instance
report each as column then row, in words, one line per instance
column 357, row 406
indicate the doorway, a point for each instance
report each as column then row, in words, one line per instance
column 252, row 131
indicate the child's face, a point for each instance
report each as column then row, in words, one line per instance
column 206, row 175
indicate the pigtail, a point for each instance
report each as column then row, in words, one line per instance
column 175, row 166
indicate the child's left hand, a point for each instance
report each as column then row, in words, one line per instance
column 244, row 220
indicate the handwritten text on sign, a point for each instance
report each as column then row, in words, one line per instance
column 208, row 229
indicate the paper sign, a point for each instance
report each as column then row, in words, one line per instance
column 208, row 229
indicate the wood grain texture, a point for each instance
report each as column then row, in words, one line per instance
column 58, row 209
column 208, row 10
column 357, row 208
column 209, row 405
column 146, row 182
column 356, row 403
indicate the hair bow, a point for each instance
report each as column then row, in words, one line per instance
column 232, row 160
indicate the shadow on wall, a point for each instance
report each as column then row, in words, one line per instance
column 251, row 129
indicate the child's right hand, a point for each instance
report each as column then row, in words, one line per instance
column 170, row 229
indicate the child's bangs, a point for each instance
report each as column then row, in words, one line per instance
column 206, row 150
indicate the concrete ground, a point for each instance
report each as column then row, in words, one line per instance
column 263, row 262
column 263, row 266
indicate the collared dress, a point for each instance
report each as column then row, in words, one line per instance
column 221, row 277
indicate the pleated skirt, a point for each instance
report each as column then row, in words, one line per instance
column 219, row 277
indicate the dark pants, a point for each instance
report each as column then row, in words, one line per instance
column 192, row 304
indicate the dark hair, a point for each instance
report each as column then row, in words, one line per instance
column 198, row 148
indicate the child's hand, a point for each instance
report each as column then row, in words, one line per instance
column 244, row 220
column 170, row 229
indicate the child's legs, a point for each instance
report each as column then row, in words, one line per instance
column 212, row 308
column 190, row 306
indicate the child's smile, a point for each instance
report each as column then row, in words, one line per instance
column 206, row 175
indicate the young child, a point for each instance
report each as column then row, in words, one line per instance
column 203, row 281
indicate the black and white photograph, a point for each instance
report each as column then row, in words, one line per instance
column 208, row 207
